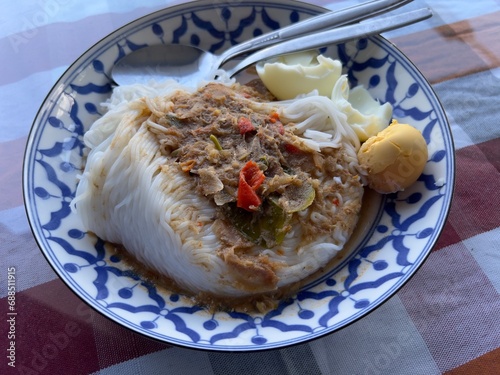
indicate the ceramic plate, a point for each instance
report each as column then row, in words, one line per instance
column 396, row 233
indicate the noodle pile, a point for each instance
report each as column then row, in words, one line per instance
column 131, row 193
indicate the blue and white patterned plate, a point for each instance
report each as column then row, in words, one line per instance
column 396, row 233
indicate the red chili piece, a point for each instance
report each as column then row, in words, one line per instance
column 245, row 125
column 251, row 177
column 292, row 149
column 276, row 125
column 274, row 117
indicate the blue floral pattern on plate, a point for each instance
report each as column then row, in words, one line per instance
column 398, row 233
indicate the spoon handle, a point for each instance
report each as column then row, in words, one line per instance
column 323, row 21
column 339, row 35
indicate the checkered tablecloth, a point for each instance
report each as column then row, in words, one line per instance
column 446, row 319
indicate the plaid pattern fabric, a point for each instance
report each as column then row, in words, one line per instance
column 445, row 320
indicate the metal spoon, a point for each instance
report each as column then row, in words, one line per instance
column 186, row 63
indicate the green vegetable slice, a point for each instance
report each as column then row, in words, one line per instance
column 216, row 142
column 297, row 197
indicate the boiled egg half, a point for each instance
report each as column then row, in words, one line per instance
column 294, row 74
column 394, row 158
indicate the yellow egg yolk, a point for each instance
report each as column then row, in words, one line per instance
column 394, row 158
